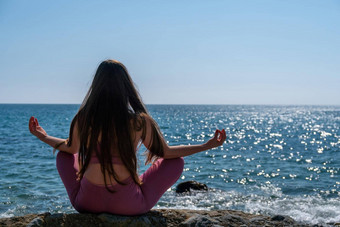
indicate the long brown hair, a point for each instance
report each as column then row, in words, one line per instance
column 111, row 113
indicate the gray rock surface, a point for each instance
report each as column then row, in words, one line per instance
column 157, row 217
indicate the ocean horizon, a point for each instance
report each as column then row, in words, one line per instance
column 181, row 104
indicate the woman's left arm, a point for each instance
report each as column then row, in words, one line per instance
column 57, row 143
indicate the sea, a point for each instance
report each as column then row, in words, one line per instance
column 277, row 160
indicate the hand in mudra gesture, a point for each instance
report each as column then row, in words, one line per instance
column 36, row 129
column 218, row 139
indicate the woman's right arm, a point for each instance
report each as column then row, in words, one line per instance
column 183, row 150
column 41, row 134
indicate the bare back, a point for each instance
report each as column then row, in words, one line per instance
column 93, row 172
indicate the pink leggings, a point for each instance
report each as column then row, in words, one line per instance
column 129, row 199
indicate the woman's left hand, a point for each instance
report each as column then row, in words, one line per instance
column 217, row 140
column 36, row 129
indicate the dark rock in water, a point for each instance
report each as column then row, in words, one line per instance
column 188, row 185
column 161, row 217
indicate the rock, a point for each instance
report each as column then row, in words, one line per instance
column 278, row 218
column 36, row 222
column 157, row 217
column 188, row 185
column 27, row 220
column 143, row 220
column 200, row 221
column 233, row 220
column 258, row 221
column 284, row 219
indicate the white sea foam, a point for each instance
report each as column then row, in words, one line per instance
column 8, row 213
column 306, row 209
column 310, row 209
column 12, row 212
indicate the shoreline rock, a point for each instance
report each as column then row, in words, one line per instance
column 156, row 217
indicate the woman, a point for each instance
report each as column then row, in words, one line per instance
column 98, row 163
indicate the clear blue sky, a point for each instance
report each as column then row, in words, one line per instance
column 177, row 52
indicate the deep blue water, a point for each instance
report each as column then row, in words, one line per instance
column 277, row 159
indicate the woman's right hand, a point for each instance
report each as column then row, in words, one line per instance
column 217, row 140
column 36, row 129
